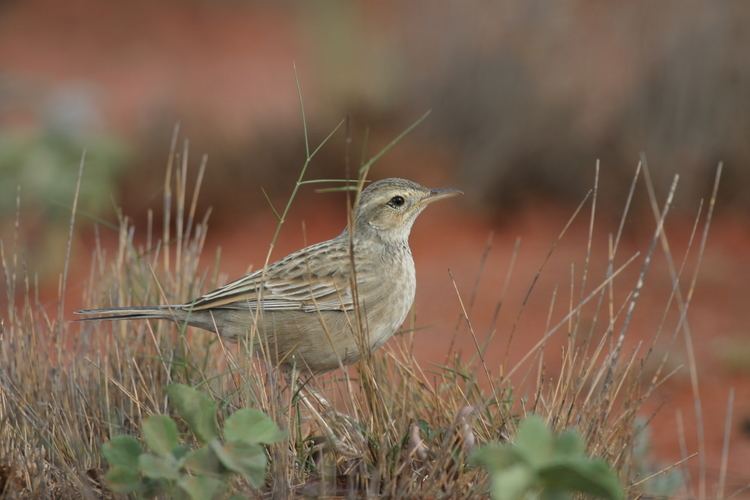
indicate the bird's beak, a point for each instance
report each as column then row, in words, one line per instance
column 440, row 194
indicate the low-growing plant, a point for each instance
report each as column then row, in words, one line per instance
column 202, row 472
column 542, row 463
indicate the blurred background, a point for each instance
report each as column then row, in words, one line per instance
column 526, row 96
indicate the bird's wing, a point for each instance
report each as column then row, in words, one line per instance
column 314, row 279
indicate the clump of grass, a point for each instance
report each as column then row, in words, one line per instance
column 69, row 387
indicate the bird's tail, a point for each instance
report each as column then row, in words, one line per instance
column 117, row 313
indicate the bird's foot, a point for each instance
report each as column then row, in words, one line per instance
column 342, row 431
column 346, row 435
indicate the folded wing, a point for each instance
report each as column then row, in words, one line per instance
column 317, row 278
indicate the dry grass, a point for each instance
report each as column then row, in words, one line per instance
column 67, row 387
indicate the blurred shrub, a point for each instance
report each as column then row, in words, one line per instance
column 42, row 140
column 42, row 160
column 530, row 94
column 44, row 164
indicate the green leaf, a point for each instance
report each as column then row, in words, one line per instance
column 535, row 440
column 582, row 475
column 554, row 495
column 203, row 461
column 202, row 487
column 122, row 451
column 158, row 467
column 160, row 433
column 180, row 451
column 495, row 457
column 425, row 429
column 153, row 487
column 246, row 459
column 511, row 483
column 252, row 427
column 197, row 408
column 122, row 479
column 569, row 443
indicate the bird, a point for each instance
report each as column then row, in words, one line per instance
column 320, row 307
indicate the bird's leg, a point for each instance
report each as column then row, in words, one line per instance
column 351, row 443
column 318, row 397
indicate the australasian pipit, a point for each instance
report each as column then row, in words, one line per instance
column 303, row 307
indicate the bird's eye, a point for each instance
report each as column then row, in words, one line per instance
column 396, row 201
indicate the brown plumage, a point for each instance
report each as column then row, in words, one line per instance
column 304, row 304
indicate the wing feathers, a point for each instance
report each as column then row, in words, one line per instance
column 314, row 279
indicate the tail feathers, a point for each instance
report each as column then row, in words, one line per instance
column 117, row 313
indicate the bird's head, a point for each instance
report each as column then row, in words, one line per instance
column 389, row 207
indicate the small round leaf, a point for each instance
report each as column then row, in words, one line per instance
column 122, row 479
column 197, row 408
column 582, row 475
column 202, row 487
column 122, row 451
column 203, row 461
column 512, row 483
column 158, row 467
column 160, row 433
column 252, row 426
column 534, row 440
column 246, row 459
